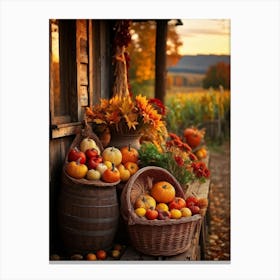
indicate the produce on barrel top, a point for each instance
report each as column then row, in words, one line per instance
column 129, row 154
column 74, row 154
column 113, row 155
column 76, row 170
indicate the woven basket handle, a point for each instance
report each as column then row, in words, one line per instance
column 130, row 211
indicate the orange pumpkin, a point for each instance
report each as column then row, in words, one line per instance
column 111, row 175
column 193, row 136
column 163, row 191
column 76, row 170
column 129, row 154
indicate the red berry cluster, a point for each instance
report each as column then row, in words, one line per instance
column 200, row 169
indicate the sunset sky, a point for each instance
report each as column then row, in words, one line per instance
column 205, row 36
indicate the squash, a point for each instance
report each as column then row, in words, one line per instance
column 193, row 136
column 76, row 170
column 111, row 175
column 113, row 155
column 145, row 201
column 129, row 154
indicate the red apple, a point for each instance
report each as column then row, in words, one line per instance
column 74, row 154
column 177, row 203
column 191, row 201
column 195, row 209
column 101, row 255
column 164, row 215
column 151, row 214
column 93, row 162
column 91, row 153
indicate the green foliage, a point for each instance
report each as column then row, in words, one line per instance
column 150, row 156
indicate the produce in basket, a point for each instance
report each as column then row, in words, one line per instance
column 163, row 191
column 145, row 201
column 157, row 237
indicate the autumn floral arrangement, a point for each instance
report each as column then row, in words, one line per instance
column 177, row 156
column 131, row 115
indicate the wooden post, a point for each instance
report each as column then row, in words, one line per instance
column 160, row 73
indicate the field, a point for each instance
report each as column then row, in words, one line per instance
column 197, row 107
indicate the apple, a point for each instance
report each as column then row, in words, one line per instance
column 164, row 215
column 151, row 214
column 91, row 153
column 101, row 255
column 93, row 174
column 140, row 212
column 93, row 162
column 74, row 154
column 186, row 212
column 191, row 201
column 116, row 254
column 108, row 164
column 162, row 207
column 195, row 209
column 202, row 202
column 91, row 257
column 101, row 167
column 177, row 203
column 175, row 213
column 124, row 172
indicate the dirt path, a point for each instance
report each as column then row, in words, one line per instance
column 218, row 243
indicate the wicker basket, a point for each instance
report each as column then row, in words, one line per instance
column 86, row 132
column 156, row 237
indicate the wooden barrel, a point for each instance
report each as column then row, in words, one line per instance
column 88, row 216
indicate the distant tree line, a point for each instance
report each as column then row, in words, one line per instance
column 217, row 75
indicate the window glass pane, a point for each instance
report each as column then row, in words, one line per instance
column 60, row 97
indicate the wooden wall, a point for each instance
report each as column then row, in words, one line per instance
column 57, row 152
column 83, row 80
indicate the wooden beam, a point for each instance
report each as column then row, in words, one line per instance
column 160, row 72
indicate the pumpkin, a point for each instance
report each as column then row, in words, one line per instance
column 163, row 191
column 145, row 201
column 201, row 153
column 129, row 154
column 113, row 155
column 111, row 175
column 76, row 170
column 193, row 136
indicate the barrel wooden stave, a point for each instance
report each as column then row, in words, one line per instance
column 88, row 216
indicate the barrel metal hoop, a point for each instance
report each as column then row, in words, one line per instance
column 89, row 233
column 92, row 220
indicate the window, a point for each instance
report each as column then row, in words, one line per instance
column 80, row 73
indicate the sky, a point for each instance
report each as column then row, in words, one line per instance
column 205, row 36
